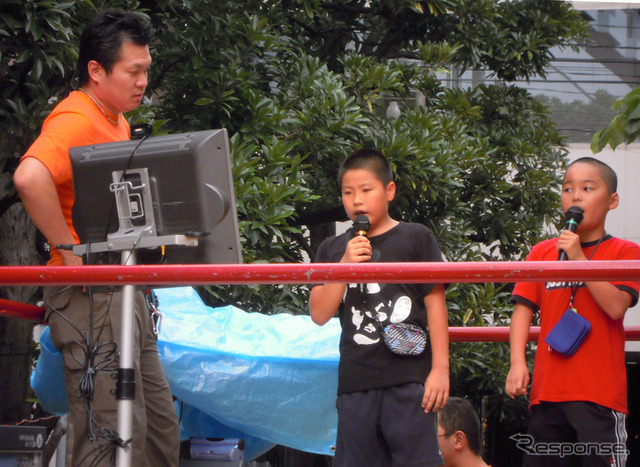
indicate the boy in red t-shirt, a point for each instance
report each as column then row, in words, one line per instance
column 578, row 402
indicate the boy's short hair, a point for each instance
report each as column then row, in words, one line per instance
column 370, row 159
column 459, row 415
column 608, row 175
column 102, row 39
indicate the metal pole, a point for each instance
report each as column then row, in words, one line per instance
column 125, row 388
column 296, row 273
column 493, row 333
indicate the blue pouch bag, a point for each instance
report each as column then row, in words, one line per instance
column 568, row 333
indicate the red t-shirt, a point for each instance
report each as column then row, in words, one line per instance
column 596, row 372
column 75, row 121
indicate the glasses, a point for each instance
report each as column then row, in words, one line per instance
column 446, row 435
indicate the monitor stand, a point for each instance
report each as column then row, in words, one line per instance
column 126, row 385
column 136, row 230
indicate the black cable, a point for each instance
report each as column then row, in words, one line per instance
column 124, row 172
column 93, row 358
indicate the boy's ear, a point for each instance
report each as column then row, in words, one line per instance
column 391, row 191
column 613, row 201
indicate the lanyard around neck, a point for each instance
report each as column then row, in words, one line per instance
column 574, row 288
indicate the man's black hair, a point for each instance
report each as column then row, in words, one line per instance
column 370, row 159
column 608, row 175
column 459, row 415
column 102, row 39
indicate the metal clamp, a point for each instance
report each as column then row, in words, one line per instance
column 152, row 303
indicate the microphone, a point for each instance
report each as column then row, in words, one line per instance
column 574, row 216
column 361, row 226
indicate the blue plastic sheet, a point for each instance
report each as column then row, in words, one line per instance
column 47, row 380
column 270, row 379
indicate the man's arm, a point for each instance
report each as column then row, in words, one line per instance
column 436, row 388
column 518, row 377
column 37, row 190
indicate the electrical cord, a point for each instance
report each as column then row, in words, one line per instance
column 93, row 357
column 124, row 172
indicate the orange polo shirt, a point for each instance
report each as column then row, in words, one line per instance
column 75, row 121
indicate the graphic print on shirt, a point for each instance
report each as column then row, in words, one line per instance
column 364, row 320
column 562, row 285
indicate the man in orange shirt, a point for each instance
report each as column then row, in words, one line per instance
column 112, row 66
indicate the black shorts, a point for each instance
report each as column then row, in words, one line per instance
column 574, row 434
column 385, row 427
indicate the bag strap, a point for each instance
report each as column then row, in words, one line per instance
column 365, row 299
column 574, row 288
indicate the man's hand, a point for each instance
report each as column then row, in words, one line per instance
column 70, row 259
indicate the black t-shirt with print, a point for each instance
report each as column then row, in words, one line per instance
column 365, row 361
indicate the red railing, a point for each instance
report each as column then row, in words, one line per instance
column 10, row 309
column 200, row 274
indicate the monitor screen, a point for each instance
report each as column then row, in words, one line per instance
column 190, row 182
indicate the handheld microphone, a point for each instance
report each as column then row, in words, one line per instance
column 574, row 216
column 361, row 226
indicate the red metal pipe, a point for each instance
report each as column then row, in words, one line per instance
column 198, row 274
column 466, row 272
column 501, row 333
column 10, row 309
column 487, row 334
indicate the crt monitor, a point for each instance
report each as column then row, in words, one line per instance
column 191, row 188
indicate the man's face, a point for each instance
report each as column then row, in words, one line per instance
column 446, row 442
column 122, row 89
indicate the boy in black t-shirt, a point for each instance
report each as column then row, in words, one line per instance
column 386, row 402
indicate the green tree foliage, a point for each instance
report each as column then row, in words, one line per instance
column 579, row 120
column 625, row 126
column 299, row 84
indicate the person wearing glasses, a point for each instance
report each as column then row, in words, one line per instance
column 459, row 434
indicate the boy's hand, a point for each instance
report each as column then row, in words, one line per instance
column 517, row 380
column 436, row 390
column 569, row 242
column 358, row 250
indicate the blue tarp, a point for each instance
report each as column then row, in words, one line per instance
column 270, row 379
